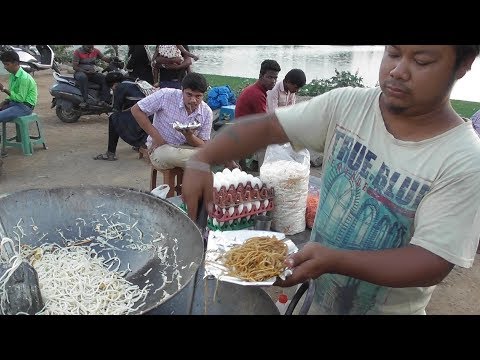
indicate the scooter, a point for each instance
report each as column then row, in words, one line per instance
column 67, row 96
column 34, row 57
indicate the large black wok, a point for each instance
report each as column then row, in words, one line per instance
column 82, row 212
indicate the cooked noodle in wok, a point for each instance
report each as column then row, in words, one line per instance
column 258, row 259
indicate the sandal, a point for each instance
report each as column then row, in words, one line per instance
column 107, row 156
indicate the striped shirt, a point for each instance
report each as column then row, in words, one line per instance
column 167, row 106
column 476, row 121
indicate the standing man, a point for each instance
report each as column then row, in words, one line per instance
column 84, row 61
column 171, row 71
column 253, row 100
column 168, row 147
column 138, row 64
column 399, row 204
column 21, row 93
column 284, row 93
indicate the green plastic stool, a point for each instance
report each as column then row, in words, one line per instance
column 23, row 139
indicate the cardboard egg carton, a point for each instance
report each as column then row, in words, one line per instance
column 222, row 214
column 243, row 193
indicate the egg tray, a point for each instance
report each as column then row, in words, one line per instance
column 234, row 196
column 236, row 225
column 222, row 216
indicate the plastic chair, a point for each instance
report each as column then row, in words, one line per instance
column 23, row 139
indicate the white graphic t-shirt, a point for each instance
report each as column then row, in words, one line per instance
column 379, row 192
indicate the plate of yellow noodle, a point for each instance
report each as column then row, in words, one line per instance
column 248, row 257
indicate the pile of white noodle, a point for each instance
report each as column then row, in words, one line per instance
column 75, row 281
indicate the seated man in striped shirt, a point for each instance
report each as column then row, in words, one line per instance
column 168, row 147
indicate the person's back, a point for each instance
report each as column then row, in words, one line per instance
column 125, row 95
column 138, row 63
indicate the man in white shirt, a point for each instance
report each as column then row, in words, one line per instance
column 284, row 92
column 399, row 205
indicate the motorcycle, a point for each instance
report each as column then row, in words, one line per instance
column 34, row 57
column 67, row 96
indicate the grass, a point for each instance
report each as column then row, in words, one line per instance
column 237, row 84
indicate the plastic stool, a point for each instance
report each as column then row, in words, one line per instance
column 171, row 177
column 23, row 139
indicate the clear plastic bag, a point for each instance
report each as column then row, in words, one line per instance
column 287, row 171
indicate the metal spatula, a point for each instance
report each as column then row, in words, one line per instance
column 22, row 291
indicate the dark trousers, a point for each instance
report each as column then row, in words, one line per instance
column 123, row 125
column 96, row 78
column 112, row 137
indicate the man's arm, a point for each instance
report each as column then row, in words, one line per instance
column 187, row 61
column 76, row 63
column 144, row 122
column 241, row 138
column 410, row 266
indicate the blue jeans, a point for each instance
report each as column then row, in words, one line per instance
column 13, row 110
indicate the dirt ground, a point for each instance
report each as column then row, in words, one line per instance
column 68, row 162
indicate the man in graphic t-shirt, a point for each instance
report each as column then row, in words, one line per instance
column 399, row 204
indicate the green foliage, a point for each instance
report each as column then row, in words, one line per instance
column 237, row 84
column 341, row 79
column 465, row 108
column 63, row 53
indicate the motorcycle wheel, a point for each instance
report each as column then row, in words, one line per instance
column 67, row 116
column 55, row 67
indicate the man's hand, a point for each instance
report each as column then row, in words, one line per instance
column 310, row 262
column 198, row 185
column 153, row 147
column 188, row 133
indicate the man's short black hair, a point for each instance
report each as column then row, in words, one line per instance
column 465, row 51
column 195, row 82
column 296, row 77
column 269, row 65
column 10, row 56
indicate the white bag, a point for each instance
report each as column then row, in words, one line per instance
column 288, row 172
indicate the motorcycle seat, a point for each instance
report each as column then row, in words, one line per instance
column 71, row 80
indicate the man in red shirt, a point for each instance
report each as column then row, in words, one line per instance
column 84, row 61
column 253, row 99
